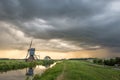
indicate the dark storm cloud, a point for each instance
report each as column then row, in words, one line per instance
column 28, row 9
column 92, row 22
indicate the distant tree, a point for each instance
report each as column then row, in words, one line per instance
column 98, row 61
column 95, row 60
column 112, row 62
column 109, row 62
column 117, row 60
column 106, row 62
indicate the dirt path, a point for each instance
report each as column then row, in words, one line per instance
column 62, row 75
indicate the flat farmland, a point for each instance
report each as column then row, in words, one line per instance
column 79, row 70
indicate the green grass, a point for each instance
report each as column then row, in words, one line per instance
column 6, row 65
column 50, row 73
column 79, row 70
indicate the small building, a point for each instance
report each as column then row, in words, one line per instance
column 47, row 58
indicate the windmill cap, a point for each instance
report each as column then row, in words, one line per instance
column 32, row 49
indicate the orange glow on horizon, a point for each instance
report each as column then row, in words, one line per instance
column 21, row 54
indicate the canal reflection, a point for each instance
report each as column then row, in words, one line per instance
column 22, row 74
column 29, row 73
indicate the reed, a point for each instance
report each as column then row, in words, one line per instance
column 6, row 65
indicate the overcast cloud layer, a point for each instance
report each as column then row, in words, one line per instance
column 60, row 24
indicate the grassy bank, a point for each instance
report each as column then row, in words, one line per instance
column 50, row 73
column 79, row 70
column 6, row 65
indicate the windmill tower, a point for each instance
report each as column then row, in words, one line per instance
column 30, row 54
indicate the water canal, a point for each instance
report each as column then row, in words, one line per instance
column 22, row 74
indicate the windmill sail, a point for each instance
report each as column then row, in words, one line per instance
column 30, row 44
column 29, row 49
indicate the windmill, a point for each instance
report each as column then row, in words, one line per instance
column 30, row 54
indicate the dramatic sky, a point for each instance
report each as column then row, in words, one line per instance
column 60, row 28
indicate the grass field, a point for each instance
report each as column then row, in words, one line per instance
column 6, row 65
column 79, row 70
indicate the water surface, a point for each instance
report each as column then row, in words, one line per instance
column 22, row 74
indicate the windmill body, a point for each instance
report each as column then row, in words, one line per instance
column 31, row 54
column 31, row 51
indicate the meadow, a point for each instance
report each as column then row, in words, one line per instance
column 6, row 65
column 79, row 70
